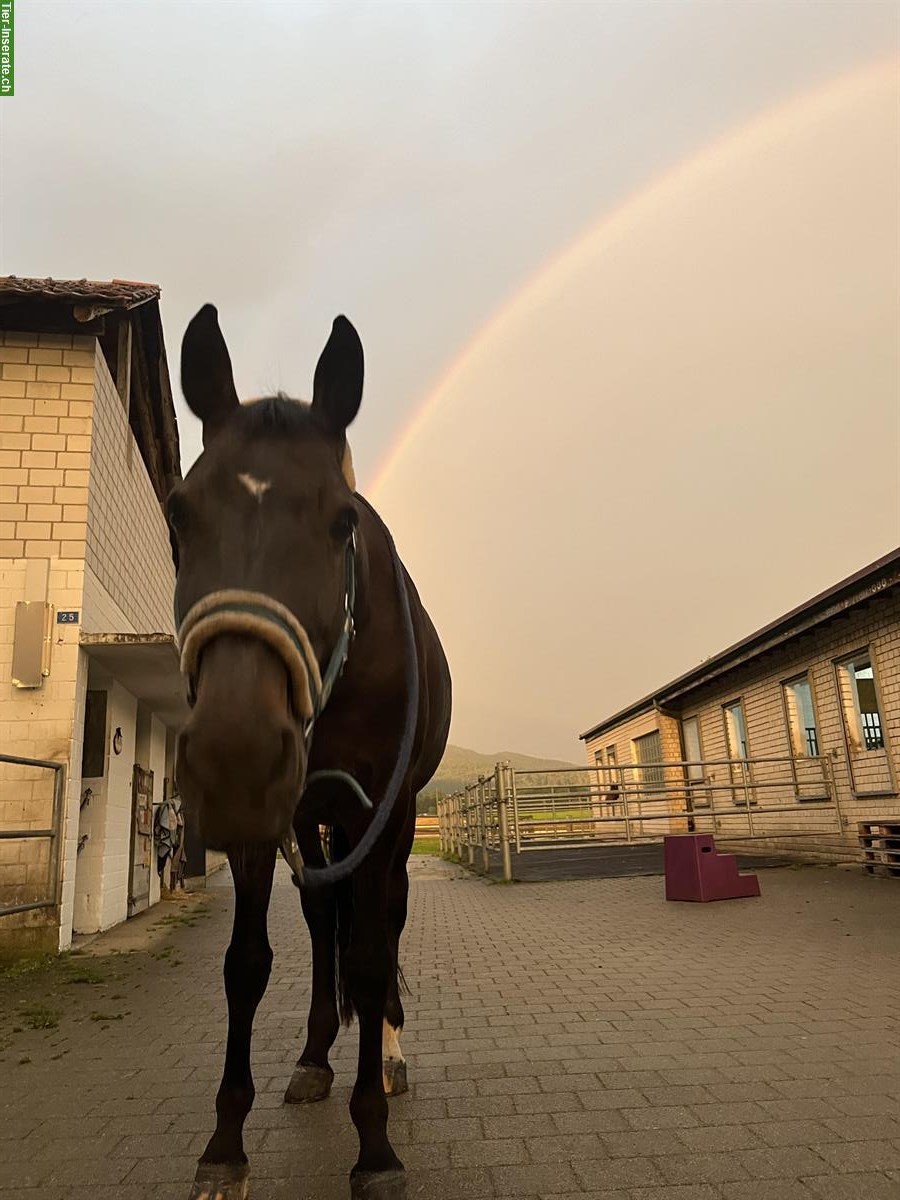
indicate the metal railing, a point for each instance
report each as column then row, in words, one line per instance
column 31, row 806
column 735, row 798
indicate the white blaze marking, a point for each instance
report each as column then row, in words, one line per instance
column 390, row 1043
column 256, row 487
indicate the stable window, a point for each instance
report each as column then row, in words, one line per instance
column 801, row 715
column 612, row 764
column 736, row 730
column 690, row 733
column 859, row 702
column 693, row 755
column 647, row 752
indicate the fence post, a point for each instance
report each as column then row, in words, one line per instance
column 470, row 838
column 503, row 812
column 747, row 797
column 832, row 792
column 482, row 813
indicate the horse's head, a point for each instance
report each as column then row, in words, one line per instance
column 262, row 534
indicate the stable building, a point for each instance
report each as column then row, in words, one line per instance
column 788, row 741
column 90, row 692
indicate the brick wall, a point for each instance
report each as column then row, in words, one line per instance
column 80, row 527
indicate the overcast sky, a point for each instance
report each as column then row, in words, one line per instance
column 414, row 165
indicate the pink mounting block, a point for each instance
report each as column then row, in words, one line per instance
column 696, row 871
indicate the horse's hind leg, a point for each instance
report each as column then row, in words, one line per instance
column 223, row 1172
column 393, row 1064
column 313, row 1076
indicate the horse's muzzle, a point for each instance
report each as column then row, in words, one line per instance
column 241, row 785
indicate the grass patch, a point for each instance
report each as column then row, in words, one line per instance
column 39, row 1017
column 427, row 845
column 26, row 966
column 82, row 972
column 175, row 920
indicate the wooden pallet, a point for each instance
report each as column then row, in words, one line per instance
column 880, row 842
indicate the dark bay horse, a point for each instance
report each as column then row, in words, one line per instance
column 320, row 695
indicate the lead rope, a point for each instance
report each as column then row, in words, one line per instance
column 304, row 876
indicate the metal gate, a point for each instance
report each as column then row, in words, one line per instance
column 32, row 792
column 141, row 840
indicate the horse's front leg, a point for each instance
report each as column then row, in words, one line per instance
column 313, row 1076
column 378, row 1174
column 223, row 1171
column 394, row 1064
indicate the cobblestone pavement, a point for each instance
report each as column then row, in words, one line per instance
column 580, row 1039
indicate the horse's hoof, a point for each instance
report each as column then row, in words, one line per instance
column 309, row 1084
column 378, row 1185
column 221, row 1181
column 395, row 1081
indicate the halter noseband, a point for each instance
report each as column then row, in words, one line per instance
column 257, row 615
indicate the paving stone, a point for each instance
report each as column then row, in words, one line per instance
column 671, row 1117
column 535, row 1178
column 769, row 1189
column 859, row 1156
column 677, row 1192
column 868, row 1186
column 564, row 1147
column 701, row 1168
column 785, row 1162
column 596, row 1120
column 618, row 1173
column 615, row 1194
column 858, row 1129
column 489, row 1153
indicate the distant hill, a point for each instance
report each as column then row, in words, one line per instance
column 460, row 766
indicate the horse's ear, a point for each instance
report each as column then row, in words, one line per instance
column 206, row 376
column 338, row 383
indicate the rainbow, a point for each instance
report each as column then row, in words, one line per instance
column 762, row 131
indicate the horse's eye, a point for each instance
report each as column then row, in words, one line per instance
column 344, row 524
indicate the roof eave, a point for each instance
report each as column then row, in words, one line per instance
column 853, row 590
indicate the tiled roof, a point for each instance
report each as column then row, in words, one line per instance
column 113, row 293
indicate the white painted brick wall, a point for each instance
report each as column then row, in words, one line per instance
column 127, row 541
